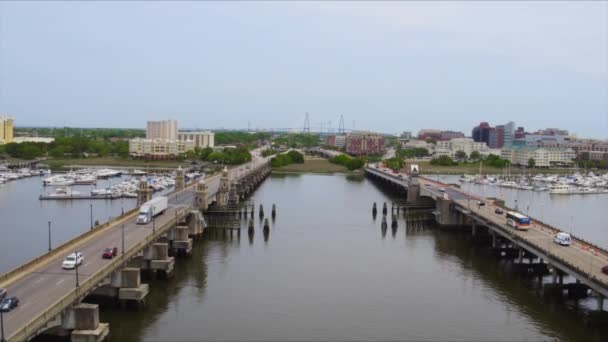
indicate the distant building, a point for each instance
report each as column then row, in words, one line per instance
column 406, row 135
column 481, row 133
column 166, row 130
column 159, row 148
column 425, row 134
column 467, row 145
column 552, row 131
column 416, row 143
column 520, row 132
column 201, row 139
column 6, row 129
column 543, row 156
column 364, row 143
column 19, row 140
column 538, row 140
column 336, row 140
column 449, row 135
column 509, row 134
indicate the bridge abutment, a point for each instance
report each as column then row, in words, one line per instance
column 83, row 321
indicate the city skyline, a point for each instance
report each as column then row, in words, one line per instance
column 386, row 67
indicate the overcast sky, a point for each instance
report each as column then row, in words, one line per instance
column 388, row 67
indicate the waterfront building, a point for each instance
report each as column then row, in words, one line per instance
column 467, row 145
column 201, row 139
column 166, row 130
column 543, row 156
column 481, row 133
column 449, row 135
column 159, row 148
column 364, row 143
column 425, row 134
column 6, row 129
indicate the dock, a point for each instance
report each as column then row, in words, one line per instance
column 82, row 197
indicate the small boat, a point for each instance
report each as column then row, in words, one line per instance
column 64, row 193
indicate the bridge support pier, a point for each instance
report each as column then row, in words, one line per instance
column 181, row 244
column 83, row 320
column 600, row 302
column 157, row 259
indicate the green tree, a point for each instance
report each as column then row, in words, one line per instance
column 475, row 155
column 461, row 155
column 531, row 162
column 443, row 161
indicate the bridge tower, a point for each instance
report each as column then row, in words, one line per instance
column 224, row 190
column 180, row 181
column 413, row 188
column 202, row 193
column 144, row 193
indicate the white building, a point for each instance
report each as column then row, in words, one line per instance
column 166, row 130
column 543, row 156
column 19, row 140
column 416, row 143
column 159, row 148
column 201, row 139
column 467, row 145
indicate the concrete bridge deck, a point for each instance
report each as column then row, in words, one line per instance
column 582, row 259
column 45, row 290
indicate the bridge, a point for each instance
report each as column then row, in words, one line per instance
column 51, row 298
column 454, row 207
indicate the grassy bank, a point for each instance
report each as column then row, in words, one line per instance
column 57, row 164
column 427, row 168
column 313, row 165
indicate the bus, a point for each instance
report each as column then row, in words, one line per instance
column 518, row 221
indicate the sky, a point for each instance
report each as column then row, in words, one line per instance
column 385, row 66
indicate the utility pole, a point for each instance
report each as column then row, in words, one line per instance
column 91, row 215
column 76, row 267
column 49, row 236
column 123, row 238
column 2, row 339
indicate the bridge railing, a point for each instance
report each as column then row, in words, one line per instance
column 66, row 247
column 38, row 322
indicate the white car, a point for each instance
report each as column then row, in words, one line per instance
column 563, row 239
column 72, row 260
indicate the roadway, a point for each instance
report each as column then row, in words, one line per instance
column 47, row 283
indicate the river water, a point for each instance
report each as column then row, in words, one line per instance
column 326, row 272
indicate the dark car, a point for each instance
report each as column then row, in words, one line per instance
column 481, row 203
column 498, row 211
column 605, row 269
column 2, row 293
column 109, row 253
column 8, row 304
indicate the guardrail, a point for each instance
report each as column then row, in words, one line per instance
column 87, row 286
column 20, row 271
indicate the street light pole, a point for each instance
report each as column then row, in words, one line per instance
column 91, row 215
column 49, row 236
column 76, row 268
column 2, row 339
column 123, row 238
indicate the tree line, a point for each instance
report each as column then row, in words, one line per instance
column 284, row 159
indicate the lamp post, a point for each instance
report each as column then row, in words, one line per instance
column 76, row 267
column 91, row 215
column 2, row 339
column 153, row 223
column 123, row 238
column 49, row 236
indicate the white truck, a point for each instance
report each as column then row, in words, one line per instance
column 152, row 208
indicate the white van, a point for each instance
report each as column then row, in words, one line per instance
column 563, row 239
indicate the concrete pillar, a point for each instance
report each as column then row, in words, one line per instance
column 493, row 239
column 520, row 255
column 413, row 190
column 181, row 242
column 224, row 189
column 384, row 210
column 234, row 194
column 384, row 225
column 180, row 179
column 202, row 195
column 130, row 288
column 374, row 210
column 394, row 221
column 83, row 320
column 474, row 228
column 158, row 259
column 600, row 302
column 144, row 193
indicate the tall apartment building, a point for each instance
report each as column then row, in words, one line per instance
column 496, row 137
column 509, row 134
column 201, row 139
column 166, row 129
column 363, row 143
column 6, row 129
column 481, row 133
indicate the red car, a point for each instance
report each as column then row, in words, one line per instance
column 605, row 269
column 109, row 253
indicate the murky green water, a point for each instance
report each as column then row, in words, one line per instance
column 327, row 273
